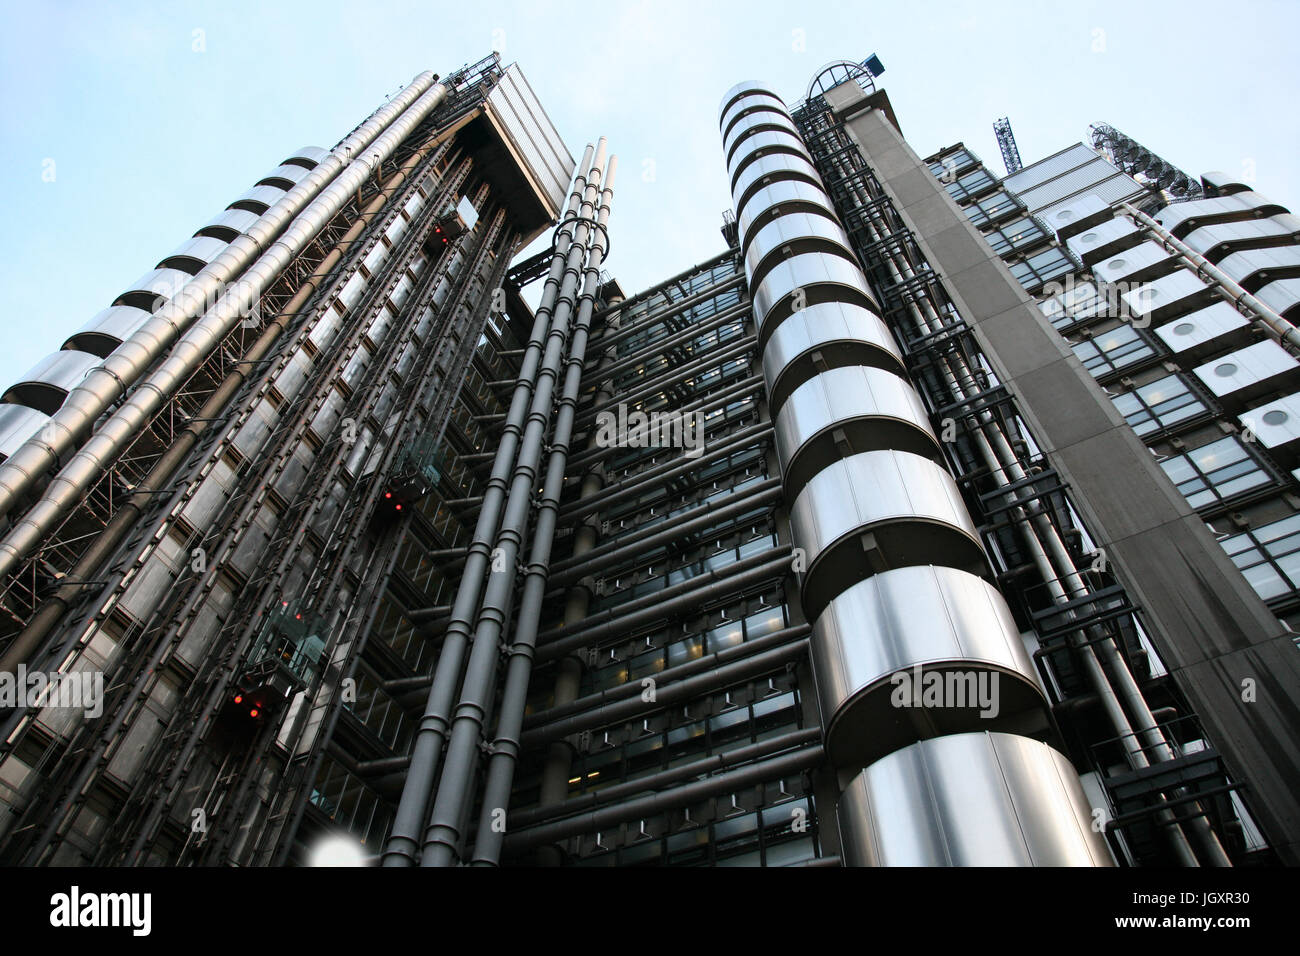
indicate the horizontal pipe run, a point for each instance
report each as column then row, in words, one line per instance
column 780, row 552
column 724, row 396
column 632, row 688
column 705, row 765
column 657, row 383
column 689, row 596
column 613, row 337
column 668, row 693
column 654, row 289
column 656, row 803
column 608, row 555
column 659, row 346
column 617, row 491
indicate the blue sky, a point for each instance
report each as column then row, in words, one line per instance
column 155, row 117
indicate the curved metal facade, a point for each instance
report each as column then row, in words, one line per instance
column 894, row 570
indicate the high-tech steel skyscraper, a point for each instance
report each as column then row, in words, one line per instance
column 937, row 520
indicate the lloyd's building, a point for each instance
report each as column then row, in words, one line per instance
column 960, row 538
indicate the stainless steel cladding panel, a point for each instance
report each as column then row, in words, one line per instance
column 287, row 172
column 790, row 235
column 108, row 329
column 847, row 410
column 311, row 156
column 770, row 169
column 194, row 254
column 734, row 144
column 154, row 288
column 748, row 104
column 48, row 382
column 823, row 336
column 259, row 198
column 17, row 424
column 807, row 280
column 228, row 225
column 782, row 198
column 985, row 799
column 540, row 149
column 883, row 643
column 878, row 510
column 1281, row 296
column 769, row 142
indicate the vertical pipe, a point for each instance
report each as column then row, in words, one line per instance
column 505, row 749
column 403, row 845
column 442, row 835
column 1054, row 563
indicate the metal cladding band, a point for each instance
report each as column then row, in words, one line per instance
column 979, row 799
column 928, row 621
column 404, row 840
column 873, row 509
column 122, row 427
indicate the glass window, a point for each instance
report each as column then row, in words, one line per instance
column 1159, row 405
column 1215, row 472
column 1269, row 557
column 991, row 208
column 1080, row 302
column 1016, row 234
column 971, row 184
column 954, row 164
column 1113, row 350
column 1037, row 269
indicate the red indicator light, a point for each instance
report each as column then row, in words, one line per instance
column 388, row 494
column 298, row 617
column 239, row 698
column 253, row 712
column 399, row 507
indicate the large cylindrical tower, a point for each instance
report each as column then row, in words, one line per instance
column 934, row 720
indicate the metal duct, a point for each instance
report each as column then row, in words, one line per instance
column 404, row 840
column 122, row 427
column 145, row 344
column 514, row 697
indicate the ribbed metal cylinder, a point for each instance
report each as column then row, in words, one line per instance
column 912, row 646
